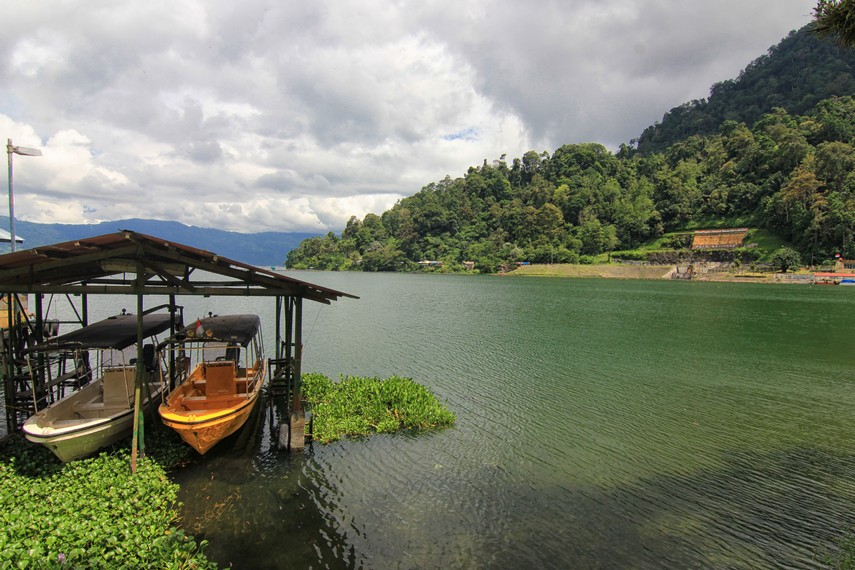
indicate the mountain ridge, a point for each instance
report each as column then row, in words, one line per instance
column 263, row 248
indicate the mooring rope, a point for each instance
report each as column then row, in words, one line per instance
column 311, row 330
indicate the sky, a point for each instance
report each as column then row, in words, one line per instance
column 294, row 116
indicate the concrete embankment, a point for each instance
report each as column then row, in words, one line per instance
column 627, row 271
column 605, row 271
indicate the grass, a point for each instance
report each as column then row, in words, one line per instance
column 766, row 242
column 359, row 406
column 606, row 271
column 721, row 223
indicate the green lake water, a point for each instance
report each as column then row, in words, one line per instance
column 600, row 424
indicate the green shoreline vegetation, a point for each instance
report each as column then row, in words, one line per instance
column 92, row 513
column 359, row 406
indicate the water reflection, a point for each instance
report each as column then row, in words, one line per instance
column 601, row 424
column 259, row 507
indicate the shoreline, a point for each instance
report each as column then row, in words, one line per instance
column 654, row 272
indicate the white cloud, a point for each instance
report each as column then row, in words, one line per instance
column 264, row 115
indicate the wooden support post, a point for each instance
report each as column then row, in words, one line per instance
column 43, row 374
column 297, row 399
column 289, row 323
column 8, row 372
column 298, row 433
column 298, row 416
column 138, row 441
column 278, row 327
column 173, row 373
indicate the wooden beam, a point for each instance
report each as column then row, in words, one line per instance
column 33, row 270
column 166, row 276
column 151, row 289
column 245, row 275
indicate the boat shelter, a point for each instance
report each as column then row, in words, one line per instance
column 131, row 263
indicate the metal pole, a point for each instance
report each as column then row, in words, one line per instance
column 11, row 196
column 10, row 150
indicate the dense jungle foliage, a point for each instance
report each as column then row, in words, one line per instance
column 796, row 74
column 790, row 172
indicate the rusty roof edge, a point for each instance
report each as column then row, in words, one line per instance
column 252, row 268
column 21, row 263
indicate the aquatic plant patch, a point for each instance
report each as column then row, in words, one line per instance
column 358, row 406
column 91, row 513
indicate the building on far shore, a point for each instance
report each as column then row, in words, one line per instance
column 835, row 278
column 431, row 263
column 719, row 239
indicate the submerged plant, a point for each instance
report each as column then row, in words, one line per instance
column 357, row 406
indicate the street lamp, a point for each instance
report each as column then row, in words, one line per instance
column 23, row 151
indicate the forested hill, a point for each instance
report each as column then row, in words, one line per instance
column 796, row 74
column 792, row 172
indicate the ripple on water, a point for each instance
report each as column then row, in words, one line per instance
column 599, row 424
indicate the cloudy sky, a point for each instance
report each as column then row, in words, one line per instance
column 292, row 116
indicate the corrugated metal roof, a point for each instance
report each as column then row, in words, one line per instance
column 129, row 262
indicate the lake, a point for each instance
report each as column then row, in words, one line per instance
column 600, row 424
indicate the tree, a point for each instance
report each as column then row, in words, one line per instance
column 785, row 258
column 384, row 257
column 835, row 19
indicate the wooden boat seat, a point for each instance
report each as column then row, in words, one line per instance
column 204, row 403
column 220, row 378
column 240, row 385
column 98, row 409
column 118, row 383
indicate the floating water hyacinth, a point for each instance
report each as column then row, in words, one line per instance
column 359, row 406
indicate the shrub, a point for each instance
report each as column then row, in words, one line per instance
column 784, row 258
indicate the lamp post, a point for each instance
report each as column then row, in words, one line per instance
column 23, row 151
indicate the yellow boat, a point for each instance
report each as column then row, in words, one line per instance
column 222, row 365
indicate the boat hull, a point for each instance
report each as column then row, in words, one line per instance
column 74, row 438
column 204, row 429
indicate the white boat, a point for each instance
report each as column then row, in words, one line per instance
column 101, row 412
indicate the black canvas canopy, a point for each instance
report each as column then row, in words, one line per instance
column 118, row 332
column 234, row 329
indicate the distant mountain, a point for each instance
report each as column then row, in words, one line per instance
column 795, row 75
column 263, row 249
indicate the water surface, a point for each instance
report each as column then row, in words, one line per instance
column 600, row 424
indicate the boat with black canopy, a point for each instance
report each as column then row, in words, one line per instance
column 223, row 363
column 101, row 412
